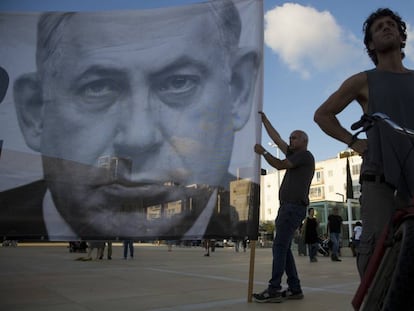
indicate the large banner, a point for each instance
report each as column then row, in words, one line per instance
column 131, row 124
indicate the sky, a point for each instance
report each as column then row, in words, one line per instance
column 311, row 47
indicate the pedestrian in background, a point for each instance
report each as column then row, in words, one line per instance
column 334, row 230
column 300, row 241
column 310, row 228
column 128, row 245
column 356, row 235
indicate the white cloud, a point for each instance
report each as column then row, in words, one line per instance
column 308, row 40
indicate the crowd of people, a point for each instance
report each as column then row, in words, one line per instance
column 98, row 247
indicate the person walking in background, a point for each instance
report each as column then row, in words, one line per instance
column 334, row 230
column 101, row 248
column 356, row 236
column 310, row 228
column 300, row 238
column 169, row 245
column 109, row 250
column 98, row 245
column 207, row 245
column 128, row 245
column 245, row 241
column 236, row 245
column 294, row 198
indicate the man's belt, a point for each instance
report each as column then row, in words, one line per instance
column 293, row 202
column 372, row 178
column 379, row 179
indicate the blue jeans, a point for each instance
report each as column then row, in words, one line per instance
column 288, row 219
column 313, row 250
column 129, row 244
column 334, row 236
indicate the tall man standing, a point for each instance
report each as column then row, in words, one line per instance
column 293, row 195
column 388, row 88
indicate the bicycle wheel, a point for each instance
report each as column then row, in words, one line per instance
column 400, row 295
column 390, row 289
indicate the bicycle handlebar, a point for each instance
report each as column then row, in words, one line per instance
column 368, row 121
column 364, row 119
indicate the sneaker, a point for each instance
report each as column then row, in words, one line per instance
column 335, row 258
column 314, row 259
column 266, row 296
column 289, row 294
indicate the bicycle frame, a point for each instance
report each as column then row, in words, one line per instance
column 399, row 217
column 389, row 233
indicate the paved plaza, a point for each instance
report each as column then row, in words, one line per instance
column 48, row 278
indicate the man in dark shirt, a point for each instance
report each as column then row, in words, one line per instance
column 293, row 195
column 311, row 234
column 334, row 229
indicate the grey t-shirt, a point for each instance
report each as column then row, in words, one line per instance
column 297, row 180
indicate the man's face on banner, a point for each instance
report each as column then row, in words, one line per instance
column 150, row 98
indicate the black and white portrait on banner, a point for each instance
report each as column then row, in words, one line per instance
column 132, row 123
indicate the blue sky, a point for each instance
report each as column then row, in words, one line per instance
column 310, row 48
column 313, row 61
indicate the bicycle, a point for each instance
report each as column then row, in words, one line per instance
column 387, row 282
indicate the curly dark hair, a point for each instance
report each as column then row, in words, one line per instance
column 382, row 12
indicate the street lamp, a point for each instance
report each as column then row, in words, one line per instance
column 277, row 156
column 349, row 210
column 277, row 148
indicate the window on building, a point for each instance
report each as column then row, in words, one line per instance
column 356, row 169
column 319, row 176
column 316, row 193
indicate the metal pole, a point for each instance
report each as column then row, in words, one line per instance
column 349, row 218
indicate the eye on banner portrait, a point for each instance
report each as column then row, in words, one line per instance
column 131, row 123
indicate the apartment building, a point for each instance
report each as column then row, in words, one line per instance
column 329, row 184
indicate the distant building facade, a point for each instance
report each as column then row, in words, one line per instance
column 328, row 189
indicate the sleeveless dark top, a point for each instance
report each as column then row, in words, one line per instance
column 392, row 94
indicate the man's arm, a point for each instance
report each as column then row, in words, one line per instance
column 273, row 161
column 273, row 134
column 354, row 88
